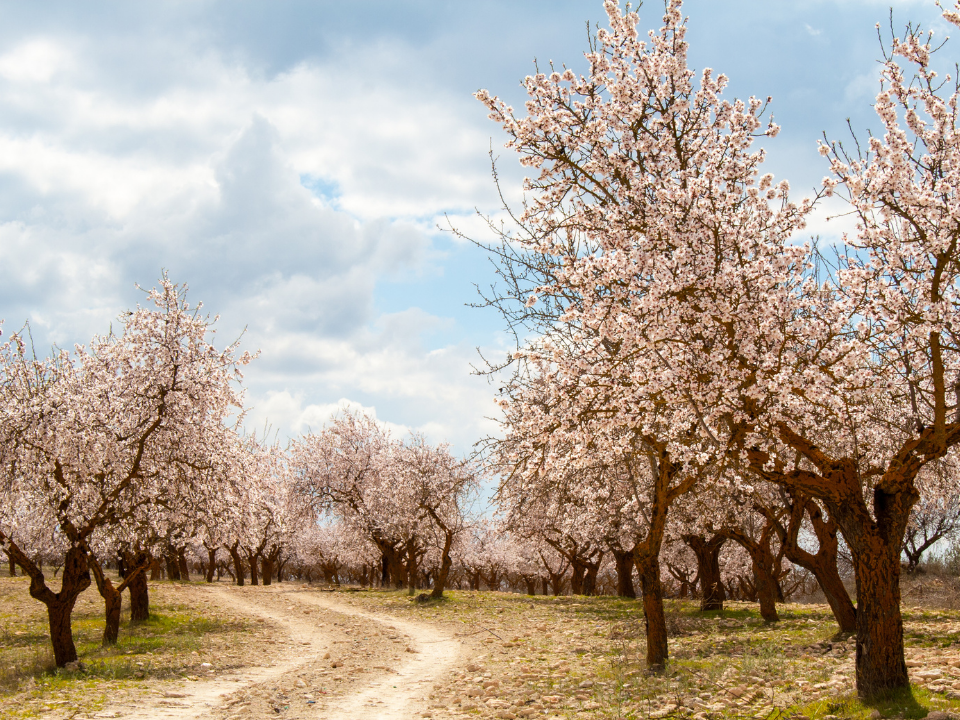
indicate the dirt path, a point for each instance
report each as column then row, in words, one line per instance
column 336, row 662
column 406, row 690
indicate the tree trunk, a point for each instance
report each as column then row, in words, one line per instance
column 173, row 565
column 269, row 565
column 766, row 590
column 531, row 584
column 254, row 572
column 394, row 570
column 837, row 597
column 875, row 550
column 708, row 569
column 579, row 570
column 76, row 579
column 823, row 564
column 12, row 565
column 763, row 563
column 182, row 565
column 590, row 577
column 211, row 564
column 412, row 569
column 112, row 602
column 155, row 570
column 880, row 658
column 648, row 568
column 624, row 563
column 875, row 538
column 237, row 563
column 446, row 562
column 140, row 592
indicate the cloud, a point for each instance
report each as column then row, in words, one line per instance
column 34, row 61
column 281, row 200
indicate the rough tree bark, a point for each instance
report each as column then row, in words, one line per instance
column 182, row 564
column 234, row 551
column 75, row 579
column 269, row 565
column 446, row 562
column 623, row 561
column 211, row 562
column 113, row 596
column 648, row 568
column 763, row 561
column 172, row 563
column 707, row 553
column 823, row 564
column 874, row 538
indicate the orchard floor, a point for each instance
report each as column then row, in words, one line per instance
column 293, row 651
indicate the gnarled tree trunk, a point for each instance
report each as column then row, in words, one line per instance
column 763, row 562
column 648, row 568
column 234, row 551
column 823, row 564
column 211, row 563
column 707, row 553
column 113, row 596
column 623, row 561
column 76, row 579
column 182, row 564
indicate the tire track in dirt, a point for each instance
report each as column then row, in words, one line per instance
column 405, row 693
column 193, row 699
column 279, row 687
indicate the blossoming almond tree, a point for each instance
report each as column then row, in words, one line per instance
column 899, row 290
column 347, row 471
column 95, row 435
column 648, row 207
column 442, row 490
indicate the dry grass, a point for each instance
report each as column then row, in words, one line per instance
column 180, row 634
column 568, row 657
column 584, row 657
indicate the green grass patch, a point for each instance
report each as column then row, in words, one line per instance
column 163, row 646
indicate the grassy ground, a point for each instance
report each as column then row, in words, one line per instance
column 583, row 657
column 568, row 657
column 177, row 638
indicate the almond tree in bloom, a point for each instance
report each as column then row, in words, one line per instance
column 91, row 437
column 442, row 490
column 893, row 403
column 346, row 472
column 651, row 231
column 646, row 190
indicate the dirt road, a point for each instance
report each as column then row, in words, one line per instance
column 335, row 662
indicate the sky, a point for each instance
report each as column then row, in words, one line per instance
column 298, row 165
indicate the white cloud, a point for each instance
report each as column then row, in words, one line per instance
column 34, row 61
column 101, row 187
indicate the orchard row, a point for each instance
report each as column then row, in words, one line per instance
column 687, row 367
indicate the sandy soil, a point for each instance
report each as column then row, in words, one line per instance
column 333, row 661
